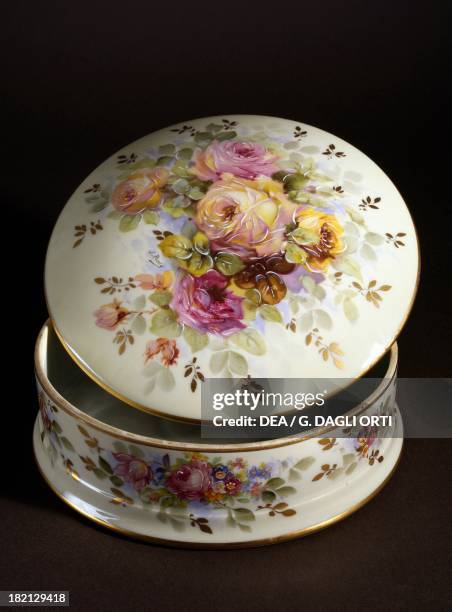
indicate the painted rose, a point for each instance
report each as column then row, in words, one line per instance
column 190, row 481
column 139, row 191
column 242, row 159
column 318, row 234
column 157, row 282
column 203, row 303
column 167, row 349
column 133, row 470
column 245, row 217
column 109, row 316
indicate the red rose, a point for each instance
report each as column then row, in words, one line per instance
column 190, row 481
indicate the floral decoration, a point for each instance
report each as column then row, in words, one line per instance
column 194, row 489
column 253, row 232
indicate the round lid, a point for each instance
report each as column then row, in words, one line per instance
column 230, row 246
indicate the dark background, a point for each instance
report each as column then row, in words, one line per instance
column 79, row 81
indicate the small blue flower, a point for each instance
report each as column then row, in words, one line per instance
column 220, row 472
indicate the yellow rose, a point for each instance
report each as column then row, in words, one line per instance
column 318, row 235
column 139, row 191
column 246, row 217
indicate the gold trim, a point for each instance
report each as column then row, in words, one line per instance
column 121, row 434
column 226, row 546
column 83, row 366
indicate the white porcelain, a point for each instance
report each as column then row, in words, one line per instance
column 163, row 488
column 138, row 310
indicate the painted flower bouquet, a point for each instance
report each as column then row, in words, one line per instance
column 254, row 228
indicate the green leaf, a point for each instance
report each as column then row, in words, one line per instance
column 176, row 246
column 119, row 446
column 228, row 263
column 56, row 427
column 118, row 482
column 350, row 309
column 249, row 310
column 249, row 340
column 323, row 319
column 168, row 149
column 177, row 212
column 166, row 379
column 185, row 153
column 238, row 364
column 161, row 298
column 114, row 214
column 275, row 483
column 139, row 325
column 152, row 368
column 201, row 243
column 180, row 168
column 355, row 216
column 181, row 186
column 128, row 223
column 67, row 444
column 284, row 491
column 98, row 206
column 225, row 135
column 164, row 323
column 139, row 303
column 195, row 339
column 214, row 127
column 309, row 284
column 349, row 266
column 295, row 254
column 189, row 229
column 268, row 496
column 244, row 514
column 373, row 238
column 99, row 473
column 304, row 463
column 203, row 138
column 195, row 193
column 136, row 451
column 368, row 253
column 164, row 160
column 218, row 361
column 105, row 465
column 197, row 264
column 151, row 217
column 179, row 201
column 270, row 313
column 304, row 236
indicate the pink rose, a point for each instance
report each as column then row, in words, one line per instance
column 166, row 348
column 190, row 481
column 204, row 303
column 133, row 470
column 243, row 159
column 109, row 316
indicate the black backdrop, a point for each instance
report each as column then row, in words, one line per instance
column 79, row 81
